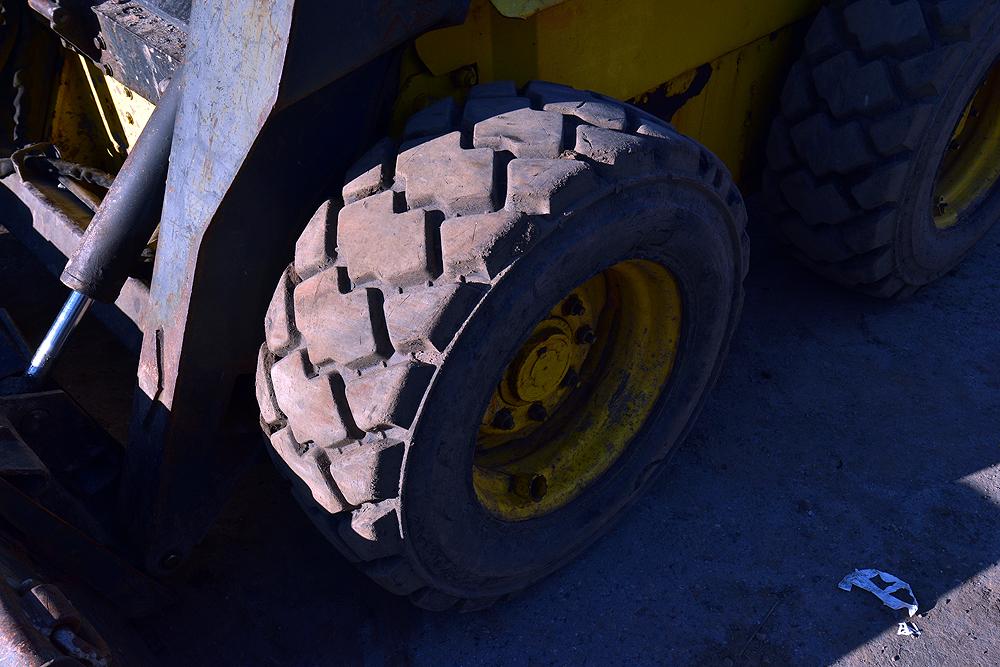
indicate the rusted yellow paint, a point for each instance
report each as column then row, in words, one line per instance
column 732, row 114
column 617, row 47
column 596, row 393
column 631, row 50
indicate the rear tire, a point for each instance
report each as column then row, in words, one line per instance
column 390, row 331
column 867, row 116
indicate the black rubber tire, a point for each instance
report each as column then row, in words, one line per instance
column 391, row 329
column 866, row 117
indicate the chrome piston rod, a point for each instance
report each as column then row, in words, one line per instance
column 69, row 316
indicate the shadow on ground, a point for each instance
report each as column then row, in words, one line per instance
column 844, row 433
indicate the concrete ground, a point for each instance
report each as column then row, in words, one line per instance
column 844, row 433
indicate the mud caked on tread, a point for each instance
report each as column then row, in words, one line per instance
column 866, row 116
column 367, row 315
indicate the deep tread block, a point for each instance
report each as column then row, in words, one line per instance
column 389, row 396
column 852, row 89
column 438, row 118
column 819, row 204
column 619, row 153
column 429, row 319
column 823, row 39
column 373, row 531
column 403, row 252
column 797, row 95
column 547, row 186
column 957, row 19
column 597, row 113
column 344, row 328
column 316, row 248
column 310, row 467
column 440, row 174
column 484, row 245
column 279, row 320
column 309, row 401
column 925, row 75
column 901, row 131
column 372, row 173
column 870, row 232
column 780, row 152
column 831, row 148
column 881, row 187
column 270, row 414
column 542, row 92
column 655, row 126
column 525, row 133
column 368, row 471
column 884, row 27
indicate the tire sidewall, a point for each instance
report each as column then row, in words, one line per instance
column 926, row 252
column 456, row 544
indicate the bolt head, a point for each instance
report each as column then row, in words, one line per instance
column 573, row 306
column 503, row 420
column 586, row 336
column 537, row 412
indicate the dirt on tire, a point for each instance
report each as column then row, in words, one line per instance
column 381, row 287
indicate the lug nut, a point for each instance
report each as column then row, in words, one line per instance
column 571, row 379
column 503, row 420
column 585, row 336
column 531, row 487
column 537, row 412
column 573, row 306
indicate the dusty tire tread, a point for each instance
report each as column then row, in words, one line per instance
column 853, row 110
column 415, row 280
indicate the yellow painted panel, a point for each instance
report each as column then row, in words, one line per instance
column 132, row 109
column 95, row 119
column 732, row 114
column 618, row 47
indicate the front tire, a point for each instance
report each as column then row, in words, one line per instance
column 386, row 383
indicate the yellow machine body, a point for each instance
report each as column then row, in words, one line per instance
column 714, row 67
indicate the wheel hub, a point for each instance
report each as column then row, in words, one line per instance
column 541, row 370
column 970, row 169
column 577, row 391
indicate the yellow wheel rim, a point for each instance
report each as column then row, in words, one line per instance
column 578, row 391
column 971, row 166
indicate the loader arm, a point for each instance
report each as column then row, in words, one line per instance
column 279, row 98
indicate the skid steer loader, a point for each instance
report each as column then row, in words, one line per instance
column 479, row 261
